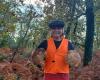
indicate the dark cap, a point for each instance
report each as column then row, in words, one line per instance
column 56, row 24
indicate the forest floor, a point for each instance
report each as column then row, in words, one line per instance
column 25, row 70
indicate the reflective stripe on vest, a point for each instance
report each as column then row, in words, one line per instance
column 55, row 58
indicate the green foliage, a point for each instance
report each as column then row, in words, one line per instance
column 1, row 77
column 22, row 25
column 97, row 25
column 2, row 57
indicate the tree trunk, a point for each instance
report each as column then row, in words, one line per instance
column 89, row 32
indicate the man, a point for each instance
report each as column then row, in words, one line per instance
column 59, row 53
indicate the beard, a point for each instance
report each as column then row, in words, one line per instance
column 57, row 36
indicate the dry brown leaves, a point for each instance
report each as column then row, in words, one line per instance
column 92, row 71
column 25, row 72
column 11, row 69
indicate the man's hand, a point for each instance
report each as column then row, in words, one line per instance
column 37, row 58
column 73, row 58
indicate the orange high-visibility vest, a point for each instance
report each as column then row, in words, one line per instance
column 55, row 58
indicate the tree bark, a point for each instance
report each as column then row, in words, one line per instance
column 89, row 32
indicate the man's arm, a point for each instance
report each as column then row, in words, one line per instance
column 37, row 57
column 74, row 58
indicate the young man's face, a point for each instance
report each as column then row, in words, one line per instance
column 57, row 32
